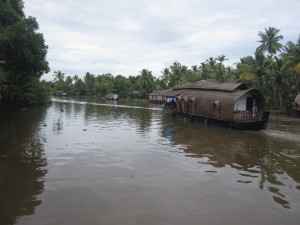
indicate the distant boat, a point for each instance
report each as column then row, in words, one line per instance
column 111, row 96
column 62, row 93
column 295, row 108
column 232, row 105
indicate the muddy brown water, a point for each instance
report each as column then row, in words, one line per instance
column 79, row 162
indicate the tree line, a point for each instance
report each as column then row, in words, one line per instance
column 274, row 68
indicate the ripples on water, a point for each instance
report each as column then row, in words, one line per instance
column 104, row 163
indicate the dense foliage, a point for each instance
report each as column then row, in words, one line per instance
column 22, row 55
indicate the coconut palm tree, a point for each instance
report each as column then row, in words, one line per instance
column 166, row 77
column 212, row 67
column 59, row 76
column 292, row 61
column 89, row 80
column 204, row 70
column 253, row 69
column 177, row 73
column 145, row 82
column 221, row 59
column 270, row 40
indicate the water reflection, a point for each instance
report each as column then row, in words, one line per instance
column 142, row 117
column 119, row 164
column 22, row 162
column 258, row 158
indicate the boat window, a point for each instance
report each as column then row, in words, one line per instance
column 216, row 106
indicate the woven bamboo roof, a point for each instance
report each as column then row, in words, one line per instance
column 234, row 95
column 206, row 85
column 168, row 92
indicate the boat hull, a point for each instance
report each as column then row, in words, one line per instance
column 292, row 112
column 237, row 125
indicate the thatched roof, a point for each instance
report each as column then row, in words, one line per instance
column 234, row 95
column 168, row 92
column 201, row 85
column 206, row 85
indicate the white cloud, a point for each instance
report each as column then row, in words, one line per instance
column 124, row 37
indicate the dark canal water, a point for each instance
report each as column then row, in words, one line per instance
column 90, row 163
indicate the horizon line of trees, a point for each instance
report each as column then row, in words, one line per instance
column 274, row 69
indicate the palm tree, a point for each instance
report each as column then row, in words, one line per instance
column 221, row 59
column 59, row 76
column 89, row 80
column 211, row 62
column 280, row 79
column 166, row 77
column 292, row 61
column 204, row 70
column 270, row 40
column 145, row 82
column 193, row 74
column 177, row 73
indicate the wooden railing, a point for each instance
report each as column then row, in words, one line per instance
column 247, row 116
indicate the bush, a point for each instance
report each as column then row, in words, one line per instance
column 32, row 92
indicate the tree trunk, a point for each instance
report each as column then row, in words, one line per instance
column 296, row 81
column 280, row 96
column 274, row 94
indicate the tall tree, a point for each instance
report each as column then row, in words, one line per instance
column 253, row 69
column 23, row 51
column 204, row 70
column 221, row 59
column 89, row 80
column 270, row 40
column 177, row 73
column 212, row 68
column 122, row 86
column 166, row 74
column 59, row 76
column 292, row 62
column 145, row 82
column 276, row 75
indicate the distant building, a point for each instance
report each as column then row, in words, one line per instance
column 111, row 96
column 61, row 93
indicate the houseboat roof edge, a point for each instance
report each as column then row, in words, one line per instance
column 206, row 85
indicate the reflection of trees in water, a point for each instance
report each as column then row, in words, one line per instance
column 22, row 163
column 60, row 109
column 57, row 126
column 143, row 118
column 140, row 117
column 110, row 112
column 273, row 163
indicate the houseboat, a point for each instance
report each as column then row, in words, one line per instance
column 295, row 108
column 61, row 93
column 232, row 105
column 161, row 97
column 111, row 96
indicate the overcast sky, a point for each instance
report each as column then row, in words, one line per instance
column 126, row 36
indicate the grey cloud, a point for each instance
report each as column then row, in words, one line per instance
column 123, row 37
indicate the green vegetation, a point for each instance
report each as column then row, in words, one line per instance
column 22, row 56
column 274, row 68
